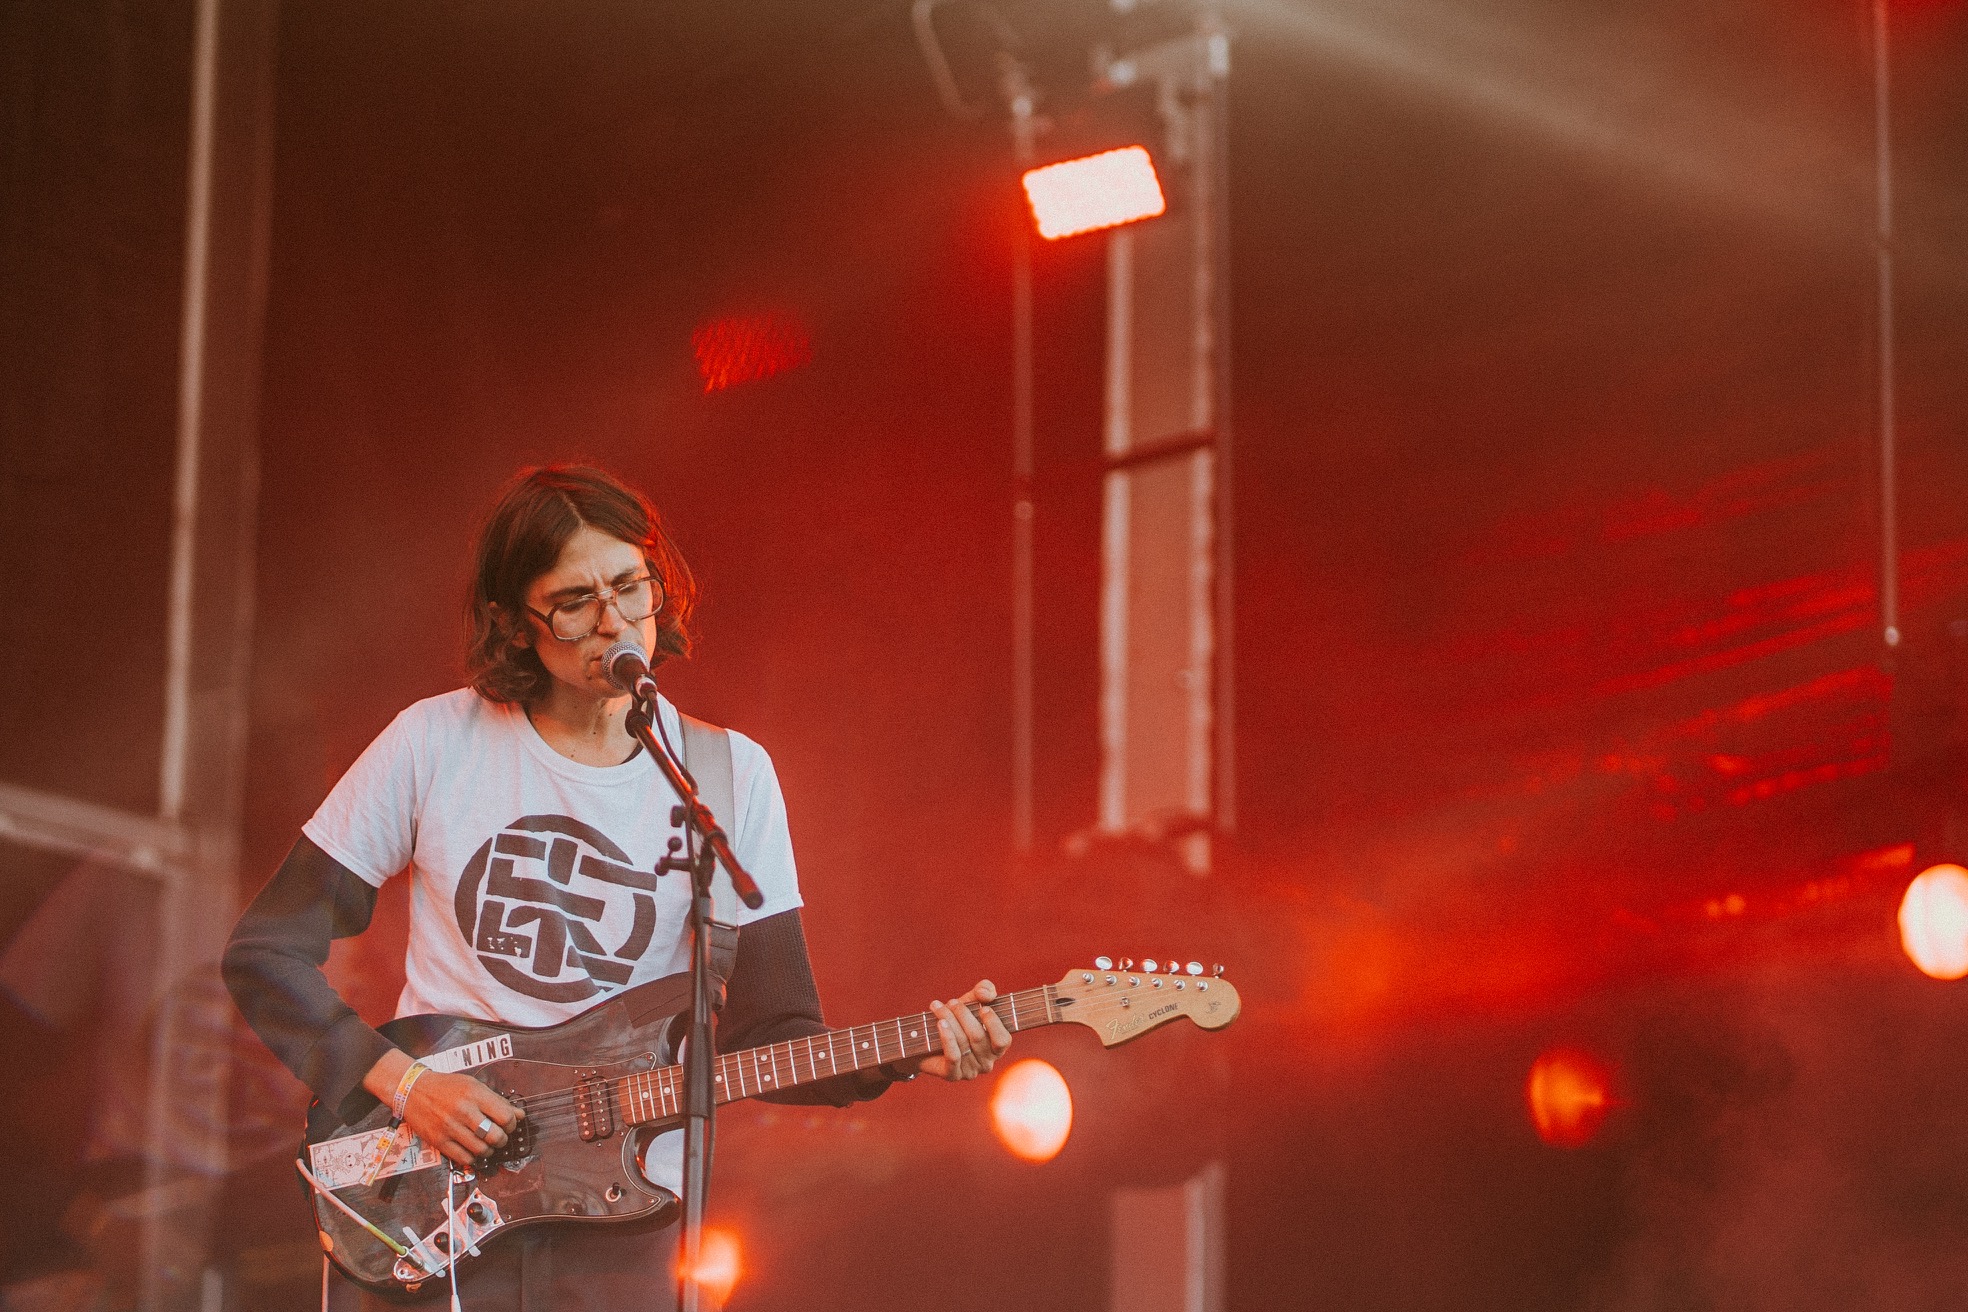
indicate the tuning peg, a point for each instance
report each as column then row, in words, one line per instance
column 1216, row 970
column 1148, row 965
column 1107, row 963
column 1194, row 968
column 1127, row 963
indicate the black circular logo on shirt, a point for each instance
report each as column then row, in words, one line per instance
column 533, row 900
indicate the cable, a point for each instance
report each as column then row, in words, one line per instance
column 353, row 1215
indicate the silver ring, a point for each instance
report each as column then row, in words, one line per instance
column 484, row 1126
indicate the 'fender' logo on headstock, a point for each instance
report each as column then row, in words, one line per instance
column 1121, row 1025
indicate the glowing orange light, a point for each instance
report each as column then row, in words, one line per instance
column 1032, row 1110
column 742, row 350
column 718, row 1265
column 1098, row 191
column 1569, row 1095
column 1934, row 921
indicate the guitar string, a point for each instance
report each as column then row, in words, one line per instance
column 663, row 1084
column 567, row 1096
column 557, row 1109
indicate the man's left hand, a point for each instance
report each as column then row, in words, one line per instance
column 973, row 1036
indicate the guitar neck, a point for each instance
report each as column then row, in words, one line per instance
column 658, row 1095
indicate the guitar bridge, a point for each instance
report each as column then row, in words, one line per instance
column 476, row 1217
column 594, row 1113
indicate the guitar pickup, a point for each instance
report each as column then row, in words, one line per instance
column 594, row 1113
column 476, row 1217
column 519, row 1141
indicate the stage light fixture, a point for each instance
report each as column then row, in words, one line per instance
column 1569, row 1094
column 1096, row 191
column 1934, row 921
column 1032, row 1110
column 718, row 1266
column 746, row 348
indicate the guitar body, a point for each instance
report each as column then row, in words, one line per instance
column 550, row 1172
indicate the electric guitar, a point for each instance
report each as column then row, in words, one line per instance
column 394, row 1213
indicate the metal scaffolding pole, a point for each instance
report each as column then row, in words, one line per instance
column 208, row 640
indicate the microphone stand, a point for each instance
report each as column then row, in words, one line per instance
column 700, row 860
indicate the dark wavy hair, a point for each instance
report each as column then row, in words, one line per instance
column 523, row 537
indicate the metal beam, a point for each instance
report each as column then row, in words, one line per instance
column 54, row 823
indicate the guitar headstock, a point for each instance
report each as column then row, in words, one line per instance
column 1124, row 1002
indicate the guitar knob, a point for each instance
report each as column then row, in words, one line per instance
column 1149, row 965
column 1194, row 968
column 1107, row 963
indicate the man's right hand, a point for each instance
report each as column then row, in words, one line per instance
column 455, row 1114
column 458, row 1116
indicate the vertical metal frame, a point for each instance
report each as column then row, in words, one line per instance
column 202, row 770
column 191, row 846
column 1158, row 705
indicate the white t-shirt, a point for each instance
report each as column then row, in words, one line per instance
column 532, row 889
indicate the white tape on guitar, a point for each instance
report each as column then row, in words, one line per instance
column 344, row 1161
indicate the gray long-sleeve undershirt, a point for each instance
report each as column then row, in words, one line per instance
column 273, row 968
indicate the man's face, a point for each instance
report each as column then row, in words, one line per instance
column 590, row 562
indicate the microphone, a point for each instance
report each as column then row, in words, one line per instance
column 627, row 667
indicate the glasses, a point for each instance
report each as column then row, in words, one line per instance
column 574, row 620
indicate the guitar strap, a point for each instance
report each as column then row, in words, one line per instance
column 707, row 756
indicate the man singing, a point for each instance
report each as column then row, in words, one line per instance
column 527, row 818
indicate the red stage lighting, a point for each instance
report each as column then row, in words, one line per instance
column 1934, row 921
column 1569, row 1094
column 1099, row 191
column 744, row 349
column 1032, row 1110
column 718, row 1266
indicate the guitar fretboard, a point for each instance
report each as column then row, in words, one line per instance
column 658, row 1095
